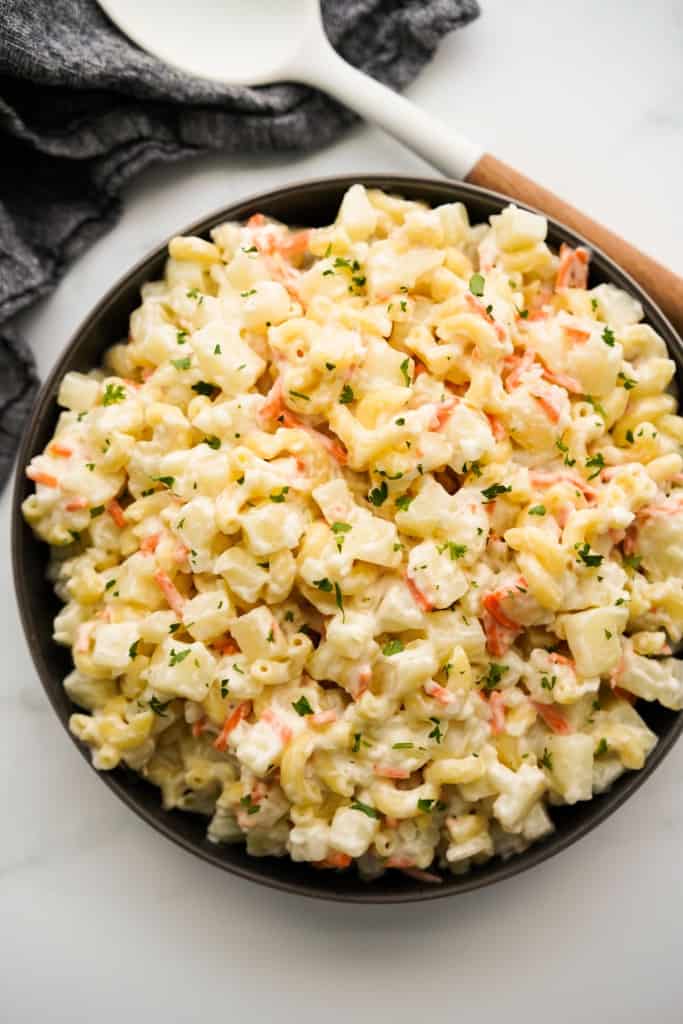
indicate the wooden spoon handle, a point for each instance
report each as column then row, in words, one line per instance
column 661, row 284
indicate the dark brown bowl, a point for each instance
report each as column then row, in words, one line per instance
column 310, row 203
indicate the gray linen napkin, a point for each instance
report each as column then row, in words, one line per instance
column 83, row 110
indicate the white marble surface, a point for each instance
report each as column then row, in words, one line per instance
column 103, row 920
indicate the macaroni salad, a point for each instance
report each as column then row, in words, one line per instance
column 370, row 536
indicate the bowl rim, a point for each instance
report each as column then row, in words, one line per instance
column 452, row 885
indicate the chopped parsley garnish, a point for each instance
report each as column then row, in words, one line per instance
column 109, row 584
column 404, row 305
column 193, row 293
column 454, row 550
column 302, row 707
column 602, row 747
column 492, row 492
column 252, row 248
column 627, row 383
column 564, row 449
column 477, row 283
column 393, row 647
column 245, row 295
column 159, row 707
column 430, row 805
column 133, row 650
column 405, row 370
column 474, row 467
column 608, row 337
column 594, row 305
column 279, row 497
column 167, row 481
column 213, row 442
column 146, row 493
column 113, row 393
column 523, row 313
column 402, row 746
column 225, row 687
column 182, row 364
column 546, row 761
column 324, row 584
column 403, row 501
column 356, row 743
column 176, row 657
column 246, row 801
column 436, row 733
column 340, row 527
column 600, row 409
column 357, row 805
column 597, row 461
column 608, row 634
column 97, row 510
column 400, row 422
column 347, row 396
column 493, row 676
column 181, row 337
column 339, row 600
column 203, row 387
column 174, row 627
column 299, row 394
column 632, row 561
column 330, row 366
column 289, row 615
column 90, row 466
column 629, row 437
column 537, row 510
column 585, row 555
column 378, row 495
column 548, row 684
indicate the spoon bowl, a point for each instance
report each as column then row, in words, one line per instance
column 236, row 42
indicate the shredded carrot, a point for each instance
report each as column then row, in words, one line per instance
column 231, row 722
column 576, row 334
column 541, row 479
column 420, row 368
column 572, row 271
column 563, row 380
column 83, row 636
column 149, row 543
column 439, row 693
column 548, row 407
column 553, row 718
column 497, row 706
column 388, row 771
column 418, row 595
column 518, row 365
column 198, row 727
column 491, row 603
column 478, row 307
column 400, row 862
column 443, row 413
column 60, row 449
column 497, row 429
column 116, row 512
column 323, row 717
column 498, row 640
column 562, row 659
column 226, row 645
column 277, row 725
column 335, row 859
column 173, row 596
column 75, row 504
column 38, row 477
column 618, row 691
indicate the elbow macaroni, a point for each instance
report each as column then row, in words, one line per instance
column 371, row 535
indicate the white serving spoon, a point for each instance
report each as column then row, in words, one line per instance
column 258, row 42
